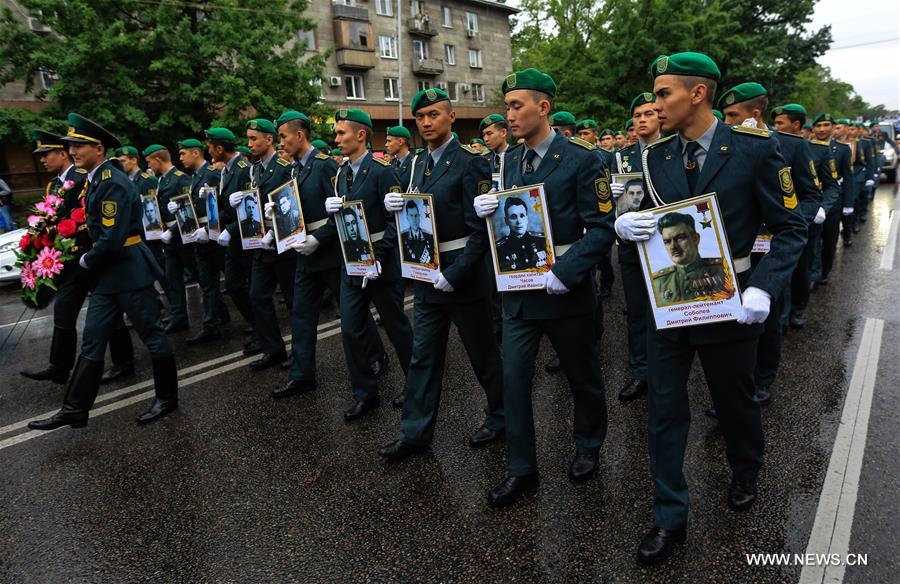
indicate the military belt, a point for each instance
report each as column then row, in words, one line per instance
column 741, row 264
column 315, row 225
column 133, row 240
column 454, row 244
column 377, row 236
column 559, row 250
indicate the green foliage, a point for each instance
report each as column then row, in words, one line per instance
column 819, row 92
column 160, row 71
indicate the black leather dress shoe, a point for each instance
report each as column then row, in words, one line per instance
column 658, row 544
column 205, row 336
column 741, row 495
column 862, row 219
column 158, row 409
column 361, row 408
column 49, row 373
column 398, row 450
column 117, row 371
column 484, row 436
column 633, row 390
column 60, row 419
column 553, row 365
column 268, row 360
column 797, row 322
column 379, row 366
column 512, row 489
column 176, row 327
column 293, row 387
column 762, row 395
column 583, row 467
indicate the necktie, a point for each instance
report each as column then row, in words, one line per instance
column 349, row 176
column 255, row 171
column 298, row 168
column 691, row 168
column 429, row 164
column 529, row 164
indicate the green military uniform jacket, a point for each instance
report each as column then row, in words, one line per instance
column 172, row 184
column 207, row 176
column 403, row 169
column 677, row 284
column 827, row 173
column 843, row 158
column 268, row 178
column 797, row 154
column 315, row 182
column 232, row 179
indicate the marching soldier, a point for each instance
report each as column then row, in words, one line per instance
column 607, row 141
column 864, row 169
column 620, row 139
column 366, row 178
column 823, row 130
column 841, row 133
column 397, row 145
column 631, row 137
column 124, row 270
column 580, row 210
column 564, row 123
column 495, row 129
column 702, row 155
column 453, row 174
column 147, row 185
column 321, row 147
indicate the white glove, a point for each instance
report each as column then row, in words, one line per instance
column 202, row 235
column 372, row 273
column 441, row 283
column 486, row 204
column 635, row 226
column 870, row 183
column 820, row 216
column 847, row 211
column 269, row 211
column 333, row 205
column 234, row 199
column 617, row 190
column 749, row 123
column 268, row 239
column 553, row 284
column 307, row 247
column 205, row 192
column 755, row 307
column 224, row 238
column 82, row 263
column 166, row 236
column 393, row 202
column 172, row 207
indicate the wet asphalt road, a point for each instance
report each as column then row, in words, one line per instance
column 238, row 487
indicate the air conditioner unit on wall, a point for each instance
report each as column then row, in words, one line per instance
column 441, row 85
column 335, row 81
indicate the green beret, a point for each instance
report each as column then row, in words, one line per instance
column 477, row 141
column 641, row 99
column 292, row 115
column 587, row 124
column 244, row 150
column 495, row 119
column 629, row 123
column 562, row 118
column 220, row 134
column 719, row 115
column 153, row 148
column 85, row 131
column 190, row 143
column 428, row 97
column 336, row 152
column 353, row 115
column 398, row 132
column 694, row 64
column 807, row 126
column 606, row 132
column 529, row 79
column 46, row 142
column 823, row 118
column 261, row 125
column 619, row 133
column 455, row 135
column 127, row 151
column 844, row 121
column 740, row 93
column 319, row 144
column 791, row 108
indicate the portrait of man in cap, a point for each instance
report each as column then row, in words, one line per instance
column 185, row 215
column 521, row 243
column 354, row 235
column 250, row 220
column 287, row 214
column 416, row 233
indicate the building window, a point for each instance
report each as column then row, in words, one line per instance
column 384, row 7
column 475, row 58
column 354, row 86
column 420, row 50
column 446, row 17
column 359, row 34
column 471, row 22
column 346, row 2
column 478, row 92
column 391, row 89
column 450, row 54
column 387, row 45
column 310, row 37
column 453, row 90
column 423, row 85
column 415, row 8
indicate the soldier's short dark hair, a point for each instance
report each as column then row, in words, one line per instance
column 512, row 202
column 227, row 145
column 410, row 204
column 674, row 218
column 349, row 211
column 570, row 129
column 794, row 117
column 691, row 81
column 249, row 199
column 297, row 125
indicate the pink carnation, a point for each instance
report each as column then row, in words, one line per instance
column 29, row 280
column 46, row 208
column 47, row 263
column 34, row 220
column 54, row 200
column 68, row 184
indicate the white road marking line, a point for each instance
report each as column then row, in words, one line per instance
column 890, row 245
column 837, row 503
column 329, row 330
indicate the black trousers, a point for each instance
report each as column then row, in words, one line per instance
column 142, row 308
column 270, row 271
column 178, row 257
column 238, row 265
column 830, row 231
column 636, row 308
column 210, row 264
column 801, row 278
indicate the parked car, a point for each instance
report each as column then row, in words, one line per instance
column 889, row 151
column 9, row 242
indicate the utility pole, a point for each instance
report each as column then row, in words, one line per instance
column 399, row 67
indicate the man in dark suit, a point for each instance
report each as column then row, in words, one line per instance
column 397, row 145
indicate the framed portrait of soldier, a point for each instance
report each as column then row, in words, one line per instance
column 250, row 222
column 213, row 225
column 687, row 265
column 288, row 218
column 417, row 238
column 356, row 244
column 151, row 218
column 521, row 239
column 633, row 196
column 186, row 218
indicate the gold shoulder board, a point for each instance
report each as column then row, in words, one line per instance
column 322, row 156
column 754, row 131
column 662, row 140
column 469, row 149
column 283, row 162
column 381, row 161
column 242, row 164
column 583, row 143
column 81, row 171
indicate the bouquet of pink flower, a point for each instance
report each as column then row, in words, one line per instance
column 46, row 247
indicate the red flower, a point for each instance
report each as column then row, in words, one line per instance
column 24, row 242
column 41, row 241
column 77, row 215
column 67, row 228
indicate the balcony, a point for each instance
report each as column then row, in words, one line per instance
column 349, row 12
column 428, row 66
column 416, row 27
column 355, row 59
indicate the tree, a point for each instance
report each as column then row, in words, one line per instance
column 818, row 91
column 162, row 70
